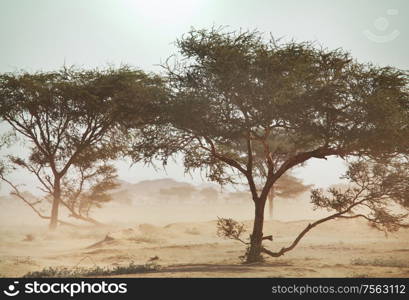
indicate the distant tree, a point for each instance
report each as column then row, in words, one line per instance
column 237, row 98
column 209, row 194
column 69, row 122
column 237, row 197
column 179, row 193
column 287, row 186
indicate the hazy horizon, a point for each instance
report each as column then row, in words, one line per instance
column 44, row 35
column 259, row 111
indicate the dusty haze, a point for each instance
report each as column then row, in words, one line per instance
column 143, row 221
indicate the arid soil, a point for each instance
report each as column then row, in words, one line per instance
column 341, row 248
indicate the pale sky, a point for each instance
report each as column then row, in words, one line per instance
column 45, row 34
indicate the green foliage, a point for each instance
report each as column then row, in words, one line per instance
column 75, row 122
column 68, row 110
column 232, row 90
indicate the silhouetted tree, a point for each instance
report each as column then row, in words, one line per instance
column 237, row 98
column 237, row 197
column 209, row 194
column 287, row 186
column 69, row 121
column 179, row 193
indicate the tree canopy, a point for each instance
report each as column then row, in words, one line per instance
column 70, row 119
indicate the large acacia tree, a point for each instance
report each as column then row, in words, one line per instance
column 69, row 121
column 240, row 101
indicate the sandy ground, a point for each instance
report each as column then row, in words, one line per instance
column 192, row 249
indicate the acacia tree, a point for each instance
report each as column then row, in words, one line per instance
column 237, row 98
column 69, row 121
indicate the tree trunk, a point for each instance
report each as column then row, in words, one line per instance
column 256, row 237
column 270, row 203
column 55, row 204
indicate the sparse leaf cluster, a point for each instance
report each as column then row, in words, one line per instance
column 230, row 229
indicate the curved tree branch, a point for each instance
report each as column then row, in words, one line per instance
column 308, row 228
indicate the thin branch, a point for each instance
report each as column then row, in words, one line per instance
column 272, row 177
column 227, row 160
column 78, row 216
column 307, row 229
column 16, row 192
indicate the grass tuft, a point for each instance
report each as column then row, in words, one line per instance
column 131, row 268
column 381, row 262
